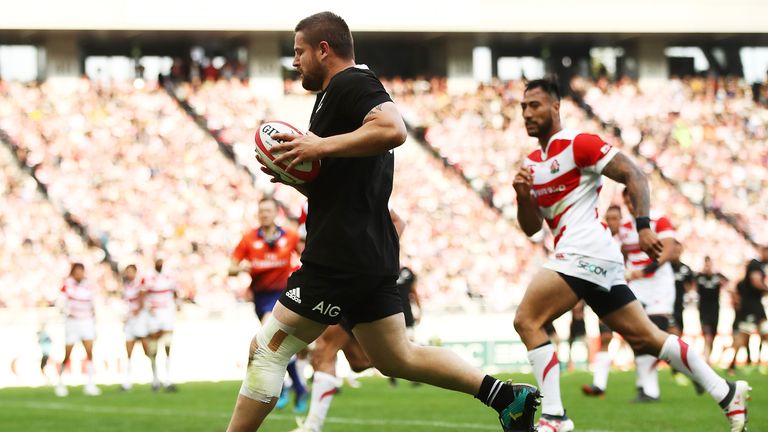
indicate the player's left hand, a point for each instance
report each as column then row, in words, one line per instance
column 650, row 243
column 297, row 149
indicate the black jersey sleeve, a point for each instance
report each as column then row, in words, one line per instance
column 363, row 91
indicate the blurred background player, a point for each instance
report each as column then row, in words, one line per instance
column 653, row 283
column 136, row 319
column 409, row 295
column 77, row 299
column 266, row 253
column 750, row 313
column 577, row 331
column 160, row 300
column 601, row 364
column 710, row 284
column 683, row 287
column 683, row 284
column 44, row 341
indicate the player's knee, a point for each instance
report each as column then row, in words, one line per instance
column 322, row 360
column 524, row 325
column 271, row 349
column 359, row 365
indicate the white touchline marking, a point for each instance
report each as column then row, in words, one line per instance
column 61, row 406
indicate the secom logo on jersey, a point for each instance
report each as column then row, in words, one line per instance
column 329, row 309
column 592, row 268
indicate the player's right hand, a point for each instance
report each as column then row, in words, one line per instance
column 650, row 243
column 523, row 182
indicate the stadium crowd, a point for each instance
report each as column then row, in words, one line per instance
column 706, row 134
column 37, row 244
column 146, row 181
column 482, row 135
column 142, row 177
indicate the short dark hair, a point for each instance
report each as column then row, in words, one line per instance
column 548, row 86
column 329, row 27
column 614, row 207
column 76, row 266
column 130, row 266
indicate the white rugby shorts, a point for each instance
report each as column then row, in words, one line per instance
column 161, row 320
column 602, row 273
column 137, row 326
column 78, row 330
column 656, row 293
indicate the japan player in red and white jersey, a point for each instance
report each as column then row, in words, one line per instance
column 560, row 182
column 653, row 283
column 160, row 302
column 136, row 321
column 77, row 299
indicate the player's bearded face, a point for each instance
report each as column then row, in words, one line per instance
column 538, row 112
column 307, row 64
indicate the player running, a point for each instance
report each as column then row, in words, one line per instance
column 653, row 284
column 77, row 298
column 560, row 183
column 266, row 254
column 601, row 364
column 160, row 301
column 136, row 320
column 709, row 284
column 683, row 284
column 350, row 262
column 750, row 313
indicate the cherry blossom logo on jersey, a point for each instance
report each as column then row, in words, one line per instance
column 555, row 167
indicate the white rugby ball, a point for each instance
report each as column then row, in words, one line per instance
column 301, row 173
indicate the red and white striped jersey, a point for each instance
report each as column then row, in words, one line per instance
column 132, row 294
column 78, row 298
column 160, row 289
column 630, row 240
column 567, row 178
column 303, row 220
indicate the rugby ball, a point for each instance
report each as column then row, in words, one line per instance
column 301, row 173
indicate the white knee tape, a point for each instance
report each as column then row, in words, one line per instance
column 271, row 350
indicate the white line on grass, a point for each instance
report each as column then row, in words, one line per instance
column 61, row 406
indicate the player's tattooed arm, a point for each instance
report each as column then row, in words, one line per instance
column 623, row 170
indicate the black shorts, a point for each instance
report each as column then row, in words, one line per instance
column 663, row 322
column 601, row 301
column 709, row 319
column 578, row 330
column 678, row 317
column 748, row 319
column 327, row 295
column 550, row 329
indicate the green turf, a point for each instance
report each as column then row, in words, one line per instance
column 205, row 407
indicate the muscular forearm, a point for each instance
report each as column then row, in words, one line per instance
column 370, row 139
column 639, row 193
column 528, row 215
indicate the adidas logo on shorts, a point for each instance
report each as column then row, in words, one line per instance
column 294, row 295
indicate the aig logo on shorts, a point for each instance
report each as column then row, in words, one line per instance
column 592, row 268
column 329, row 309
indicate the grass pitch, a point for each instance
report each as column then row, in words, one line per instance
column 377, row 407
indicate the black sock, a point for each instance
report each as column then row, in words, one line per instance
column 495, row 394
column 729, row 397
